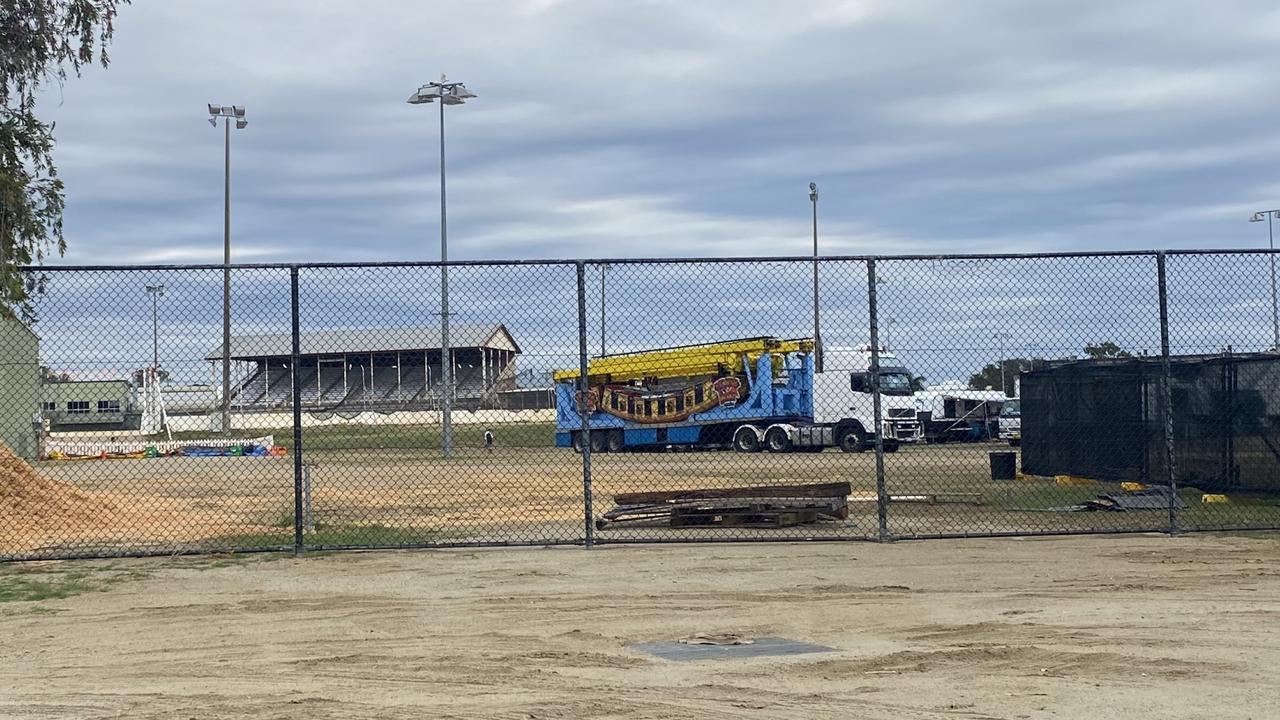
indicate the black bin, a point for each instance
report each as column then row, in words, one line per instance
column 1004, row 465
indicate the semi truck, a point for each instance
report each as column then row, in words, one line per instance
column 749, row 395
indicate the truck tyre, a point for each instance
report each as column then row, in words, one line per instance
column 615, row 441
column 1015, row 443
column 851, row 439
column 891, row 447
column 576, row 441
column 599, row 443
column 777, row 440
column 746, row 441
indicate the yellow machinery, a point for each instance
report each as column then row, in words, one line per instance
column 710, row 359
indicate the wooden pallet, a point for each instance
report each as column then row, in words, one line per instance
column 765, row 506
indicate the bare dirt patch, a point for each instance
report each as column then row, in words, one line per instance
column 925, row 630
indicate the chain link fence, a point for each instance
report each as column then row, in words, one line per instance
column 694, row 400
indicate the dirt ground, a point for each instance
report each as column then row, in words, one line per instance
column 1083, row 627
column 413, row 496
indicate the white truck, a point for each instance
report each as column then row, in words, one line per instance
column 1011, row 422
column 844, row 411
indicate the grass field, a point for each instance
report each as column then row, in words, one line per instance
column 389, row 486
column 402, row 437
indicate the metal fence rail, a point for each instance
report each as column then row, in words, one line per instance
column 638, row 400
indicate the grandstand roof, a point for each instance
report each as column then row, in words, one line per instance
column 367, row 340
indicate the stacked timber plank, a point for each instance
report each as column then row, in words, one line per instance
column 763, row 506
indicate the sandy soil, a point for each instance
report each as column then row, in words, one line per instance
column 535, row 495
column 1087, row 627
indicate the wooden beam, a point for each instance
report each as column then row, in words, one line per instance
column 814, row 490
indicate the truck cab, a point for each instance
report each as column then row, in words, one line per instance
column 843, row 401
column 1011, row 422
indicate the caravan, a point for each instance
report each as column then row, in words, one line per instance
column 953, row 412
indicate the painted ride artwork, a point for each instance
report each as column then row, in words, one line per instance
column 748, row 394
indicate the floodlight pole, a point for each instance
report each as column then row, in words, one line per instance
column 226, row 278
column 447, row 93
column 446, row 361
column 1271, row 244
column 228, row 113
column 155, row 291
column 604, row 268
column 817, row 331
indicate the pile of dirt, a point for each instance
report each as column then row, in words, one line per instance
column 35, row 510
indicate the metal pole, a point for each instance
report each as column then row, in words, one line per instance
column 603, row 269
column 446, row 360
column 1166, row 394
column 226, row 280
column 1004, row 384
column 583, row 388
column 1275, row 311
column 295, row 360
column 817, row 332
column 882, row 495
column 155, row 330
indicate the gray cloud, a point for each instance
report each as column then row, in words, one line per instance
column 674, row 128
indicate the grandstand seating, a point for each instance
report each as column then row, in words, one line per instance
column 324, row 387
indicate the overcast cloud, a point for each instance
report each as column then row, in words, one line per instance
column 675, row 128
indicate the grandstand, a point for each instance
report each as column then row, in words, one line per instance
column 384, row 369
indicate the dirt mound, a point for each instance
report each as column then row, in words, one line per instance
column 35, row 509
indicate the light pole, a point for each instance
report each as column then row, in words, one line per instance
column 1271, row 243
column 817, row 331
column 156, row 292
column 605, row 268
column 227, row 113
column 447, row 93
column 1001, row 337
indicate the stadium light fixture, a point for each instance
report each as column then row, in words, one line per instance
column 228, row 113
column 449, row 93
column 1269, row 216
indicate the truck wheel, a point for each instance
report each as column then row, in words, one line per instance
column 615, row 441
column 598, row 442
column 746, row 441
column 1015, row 443
column 777, row 440
column 891, row 447
column 576, row 441
column 851, row 440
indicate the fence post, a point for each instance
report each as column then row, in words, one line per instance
column 882, row 496
column 584, row 387
column 296, row 382
column 1166, row 394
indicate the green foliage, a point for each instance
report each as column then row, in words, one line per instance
column 1105, row 349
column 989, row 375
column 335, row 536
column 40, row 41
column 20, row 589
column 19, row 583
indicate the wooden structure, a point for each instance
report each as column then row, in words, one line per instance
column 763, row 506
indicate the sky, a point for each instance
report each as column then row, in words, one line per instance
column 656, row 129
column 650, row 129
